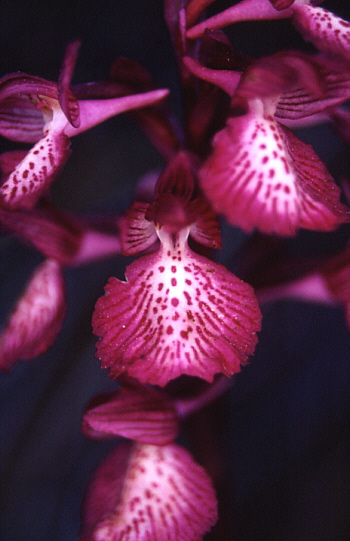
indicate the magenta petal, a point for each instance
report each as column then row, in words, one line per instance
column 68, row 102
column 94, row 112
column 246, row 10
column 54, row 233
column 325, row 30
column 136, row 233
column 149, row 493
column 37, row 317
column 144, row 416
column 36, row 172
column 260, row 175
column 224, row 79
column 177, row 313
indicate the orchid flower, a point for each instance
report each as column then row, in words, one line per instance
column 177, row 313
column 37, row 318
column 64, row 240
column 144, row 491
column 325, row 30
column 260, row 175
column 48, row 114
column 151, row 489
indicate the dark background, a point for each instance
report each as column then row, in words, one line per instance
column 277, row 445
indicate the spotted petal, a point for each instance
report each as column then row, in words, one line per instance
column 37, row 318
column 260, row 175
column 325, row 30
column 177, row 313
column 149, row 493
column 34, row 174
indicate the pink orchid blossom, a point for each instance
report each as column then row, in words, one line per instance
column 260, row 175
column 37, row 318
column 177, row 313
column 143, row 492
column 36, row 110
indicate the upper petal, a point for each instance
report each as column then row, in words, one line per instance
column 177, row 313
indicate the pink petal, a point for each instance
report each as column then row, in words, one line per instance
column 95, row 245
column 260, row 175
column 136, row 233
column 140, row 415
column 37, row 318
column 36, row 172
column 246, row 10
column 56, row 234
column 224, row 79
column 325, row 30
column 177, row 313
column 94, row 112
column 152, row 493
column 68, row 102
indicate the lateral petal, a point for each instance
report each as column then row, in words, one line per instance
column 149, row 492
column 143, row 415
column 37, row 318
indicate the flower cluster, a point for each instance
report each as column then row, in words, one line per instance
column 178, row 312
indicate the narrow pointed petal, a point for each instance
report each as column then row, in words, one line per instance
column 54, row 233
column 95, row 245
column 152, row 493
column 136, row 233
column 37, row 318
column 143, row 416
column 260, row 175
column 246, row 10
column 68, row 102
column 35, row 173
column 177, row 313
column 224, row 79
column 94, row 112
column 325, row 30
